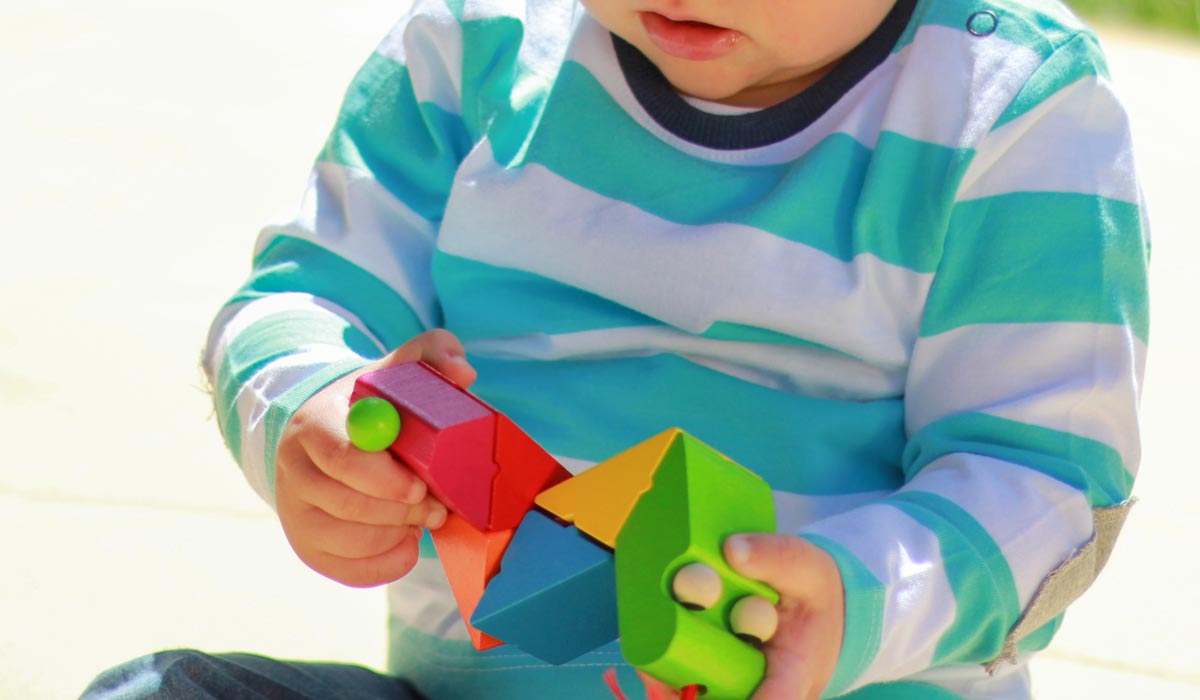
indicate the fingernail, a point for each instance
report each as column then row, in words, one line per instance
column 416, row 492
column 435, row 520
column 737, row 550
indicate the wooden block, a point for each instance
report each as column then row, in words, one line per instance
column 447, row 436
column 698, row 498
column 470, row 558
column 554, row 596
column 525, row 471
column 599, row 500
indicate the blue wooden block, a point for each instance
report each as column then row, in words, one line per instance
column 555, row 596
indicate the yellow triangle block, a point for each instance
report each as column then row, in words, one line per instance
column 599, row 500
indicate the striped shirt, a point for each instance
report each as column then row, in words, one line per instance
column 913, row 298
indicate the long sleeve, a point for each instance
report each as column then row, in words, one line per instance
column 349, row 279
column 1021, row 399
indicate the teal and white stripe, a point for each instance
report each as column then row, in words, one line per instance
column 919, row 603
column 265, row 350
column 1079, row 385
column 339, row 201
column 785, row 287
column 419, row 601
column 1032, row 518
column 432, row 32
column 1073, row 141
column 923, row 315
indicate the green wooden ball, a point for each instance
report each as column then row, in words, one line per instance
column 373, row 424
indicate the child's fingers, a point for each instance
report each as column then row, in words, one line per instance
column 341, row 538
column 376, row 474
column 440, row 349
column 317, row 434
column 802, row 654
column 312, row 486
column 799, row 656
column 789, row 564
column 365, row 487
column 345, row 503
column 365, row 572
column 787, row 677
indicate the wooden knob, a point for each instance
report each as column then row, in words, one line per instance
column 697, row 586
column 754, row 619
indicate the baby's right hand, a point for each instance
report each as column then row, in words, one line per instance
column 355, row 516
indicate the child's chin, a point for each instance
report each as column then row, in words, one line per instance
column 710, row 90
column 715, row 85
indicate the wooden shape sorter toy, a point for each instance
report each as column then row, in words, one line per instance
column 560, row 565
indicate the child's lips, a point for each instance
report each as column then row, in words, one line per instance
column 694, row 41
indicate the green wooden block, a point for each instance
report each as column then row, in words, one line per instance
column 698, row 498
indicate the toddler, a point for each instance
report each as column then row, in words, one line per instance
column 888, row 254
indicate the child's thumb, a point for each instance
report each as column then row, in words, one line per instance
column 439, row 349
column 780, row 561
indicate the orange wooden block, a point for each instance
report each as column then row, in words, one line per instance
column 470, row 558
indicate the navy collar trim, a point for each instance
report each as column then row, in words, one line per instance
column 765, row 126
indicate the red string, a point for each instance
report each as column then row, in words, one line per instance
column 689, row 692
column 610, row 677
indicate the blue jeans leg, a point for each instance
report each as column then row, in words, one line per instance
column 187, row 674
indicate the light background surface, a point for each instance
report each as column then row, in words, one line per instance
column 145, row 142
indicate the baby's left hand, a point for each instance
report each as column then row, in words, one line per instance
column 802, row 655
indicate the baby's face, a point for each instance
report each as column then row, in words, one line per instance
column 744, row 52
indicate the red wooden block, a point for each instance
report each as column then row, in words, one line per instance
column 447, row 436
column 470, row 558
column 525, row 471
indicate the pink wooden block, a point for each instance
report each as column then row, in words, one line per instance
column 447, row 436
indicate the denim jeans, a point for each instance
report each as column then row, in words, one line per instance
column 187, row 674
